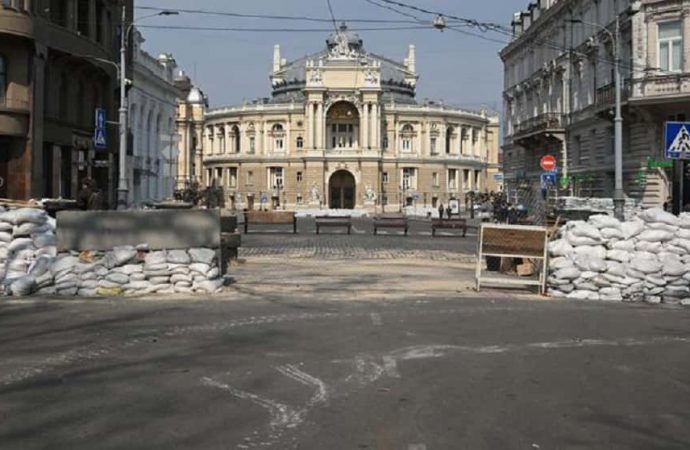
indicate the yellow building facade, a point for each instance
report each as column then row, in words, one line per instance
column 342, row 130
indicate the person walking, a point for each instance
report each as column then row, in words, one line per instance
column 89, row 197
column 440, row 211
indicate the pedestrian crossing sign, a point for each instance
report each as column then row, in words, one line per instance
column 678, row 140
column 99, row 139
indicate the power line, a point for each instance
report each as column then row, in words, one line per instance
column 330, row 10
column 397, row 11
column 266, row 16
column 276, row 30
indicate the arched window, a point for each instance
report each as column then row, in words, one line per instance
column 406, row 137
column 300, row 142
column 236, row 138
column 449, row 139
column 3, row 78
column 278, row 138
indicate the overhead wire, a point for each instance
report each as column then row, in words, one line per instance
column 275, row 30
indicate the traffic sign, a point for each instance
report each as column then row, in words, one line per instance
column 678, row 140
column 100, row 118
column 264, row 198
column 99, row 140
column 548, row 163
column 548, row 179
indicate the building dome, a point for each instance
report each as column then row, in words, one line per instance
column 354, row 42
column 196, row 96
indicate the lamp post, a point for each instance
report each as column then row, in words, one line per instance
column 122, row 185
column 618, row 195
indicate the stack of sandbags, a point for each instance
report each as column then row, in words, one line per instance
column 27, row 249
column 645, row 259
column 133, row 271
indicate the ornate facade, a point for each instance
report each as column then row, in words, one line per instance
column 342, row 130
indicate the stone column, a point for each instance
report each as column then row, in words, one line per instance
column 319, row 125
column 365, row 127
column 375, row 125
column 310, row 125
column 264, row 137
column 288, row 143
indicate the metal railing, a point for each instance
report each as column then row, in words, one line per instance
column 542, row 122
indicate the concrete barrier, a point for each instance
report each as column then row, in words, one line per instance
column 160, row 229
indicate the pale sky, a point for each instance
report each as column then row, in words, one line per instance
column 234, row 66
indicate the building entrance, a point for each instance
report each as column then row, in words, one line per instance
column 342, row 190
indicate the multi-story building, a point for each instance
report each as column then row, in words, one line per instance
column 153, row 100
column 559, row 92
column 51, row 82
column 191, row 107
column 342, row 129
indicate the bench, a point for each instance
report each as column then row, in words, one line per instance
column 334, row 221
column 270, row 218
column 390, row 221
column 449, row 224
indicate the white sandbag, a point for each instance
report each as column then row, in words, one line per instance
column 137, row 276
column 88, row 284
column 155, row 281
column 583, row 295
column 677, row 291
column 577, row 241
column 44, row 240
column 201, row 268
column 588, row 275
column 213, row 273
column 673, row 268
column 18, row 265
column 632, row 229
column 552, row 281
column 155, row 258
column 45, row 279
column 69, row 292
column 88, row 276
column 682, row 243
column 590, row 263
column 4, row 252
column 560, row 247
column 595, row 251
column 24, row 215
column 616, row 268
column 210, row 286
column 179, row 257
column 655, row 236
column 601, row 281
column 119, row 278
column 137, row 285
column 659, row 215
column 602, row 221
column 28, row 229
column 663, row 227
column 202, row 255
column 586, row 285
column 106, row 284
column 47, row 251
column 586, row 230
column 65, row 285
column 157, row 273
column 652, row 299
column 651, row 247
column 87, row 292
column 612, row 233
column 23, row 286
column 176, row 278
column 560, row 262
column 646, row 266
column 683, row 233
column 624, row 245
column 655, row 280
column 5, row 237
column 47, row 291
column 183, row 290
column 568, row 273
column 610, row 294
column 618, row 255
column 129, row 269
column 614, row 279
column 64, row 263
column 6, row 227
column 684, row 220
column 40, row 266
column 156, row 267
column 120, row 256
column 20, row 244
column 183, row 284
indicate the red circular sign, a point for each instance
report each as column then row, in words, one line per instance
column 548, row 163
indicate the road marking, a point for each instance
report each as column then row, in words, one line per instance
column 357, row 230
column 376, row 319
column 416, row 447
column 291, row 371
column 390, row 365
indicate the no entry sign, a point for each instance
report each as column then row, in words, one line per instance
column 548, row 163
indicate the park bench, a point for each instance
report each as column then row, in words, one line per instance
column 449, row 224
column 270, row 218
column 333, row 221
column 390, row 221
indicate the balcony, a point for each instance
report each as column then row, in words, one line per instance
column 665, row 88
column 543, row 125
column 606, row 95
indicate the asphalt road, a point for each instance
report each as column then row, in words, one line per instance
column 286, row 371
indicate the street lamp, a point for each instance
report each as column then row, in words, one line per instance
column 122, row 188
column 618, row 195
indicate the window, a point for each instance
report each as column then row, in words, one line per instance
column 218, row 180
column 434, row 179
column 452, row 179
column 299, row 177
column 384, row 178
column 407, row 144
column 384, row 200
column 3, row 79
column 385, row 142
column 300, row 142
column 83, row 17
column 433, row 145
column 252, row 144
column 250, row 177
column 406, row 138
column 232, row 177
column 300, row 200
column 466, row 180
column 279, row 144
column 58, row 12
column 275, row 178
column 409, row 176
column 670, row 46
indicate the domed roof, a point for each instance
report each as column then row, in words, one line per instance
column 196, row 96
column 354, row 42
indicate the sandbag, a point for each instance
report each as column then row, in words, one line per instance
column 596, row 251
column 44, row 240
column 25, row 215
column 624, row 245
column 618, row 255
column 210, row 286
column 655, row 236
column 590, row 263
column 5, row 237
column 179, row 257
column 612, row 233
column 40, row 266
column 119, row 278
column 560, row 262
column 560, row 247
column 202, row 255
column 673, row 268
column 20, row 244
column 659, row 215
column 632, row 229
column 23, row 286
column 155, row 258
column 586, row 230
column 615, row 268
column 568, row 273
column 583, row 295
column 602, row 221
column 64, row 263
column 645, row 266
column 651, row 247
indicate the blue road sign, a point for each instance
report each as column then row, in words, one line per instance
column 264, row 198
column 99, row 140
column 548, row 179
column 678, row 140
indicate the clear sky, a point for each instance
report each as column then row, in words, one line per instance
column 234, row 66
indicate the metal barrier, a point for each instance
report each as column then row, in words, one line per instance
column 513, row 241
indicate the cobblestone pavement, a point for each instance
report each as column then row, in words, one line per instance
column 361, row 244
